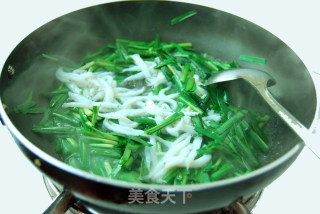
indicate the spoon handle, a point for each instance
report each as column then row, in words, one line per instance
column 305, row 134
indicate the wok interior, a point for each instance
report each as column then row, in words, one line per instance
column 211, row 31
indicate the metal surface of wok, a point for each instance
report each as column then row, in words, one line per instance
column 212, row 31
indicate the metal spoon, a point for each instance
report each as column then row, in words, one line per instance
column 261, row 80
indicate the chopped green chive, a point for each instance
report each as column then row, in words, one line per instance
column 252, row 59
column 50, row 57
column 176, row 116
column 183, row 17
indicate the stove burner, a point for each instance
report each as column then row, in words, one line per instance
column 239, row 207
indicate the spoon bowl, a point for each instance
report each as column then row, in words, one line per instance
column 253, row 76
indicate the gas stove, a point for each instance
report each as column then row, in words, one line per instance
column 295, row 22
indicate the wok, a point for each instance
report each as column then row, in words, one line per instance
column 212, row 31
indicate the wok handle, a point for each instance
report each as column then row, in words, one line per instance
column 307, row 135
column 61, row 204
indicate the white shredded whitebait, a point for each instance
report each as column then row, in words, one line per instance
column 182, row 153
column 133, row 100
column 211, row 116
column 144, row 68
column 89, row 89
column 123, row 129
